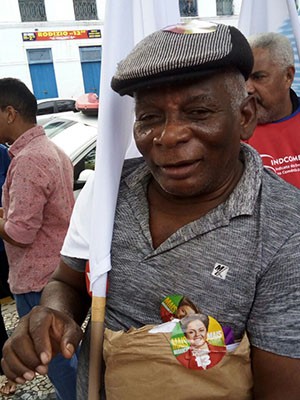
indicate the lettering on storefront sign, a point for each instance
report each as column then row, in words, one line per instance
column 61, row 35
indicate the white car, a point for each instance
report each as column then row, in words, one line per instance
column 76, row 134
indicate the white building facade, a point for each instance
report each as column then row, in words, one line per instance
column 217, row 8
column 54, row 46
column 57, row 54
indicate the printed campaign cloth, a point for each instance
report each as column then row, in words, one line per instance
column 189, row 356
column 139, row 363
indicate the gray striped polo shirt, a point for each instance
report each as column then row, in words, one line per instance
column 239, row 263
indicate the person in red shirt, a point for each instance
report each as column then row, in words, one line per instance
column 276, row 136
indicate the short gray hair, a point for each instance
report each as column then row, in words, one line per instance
column 234, row 83
column 279, row 46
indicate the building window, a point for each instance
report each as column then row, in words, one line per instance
column 39, row 56
column 188, row 8
column 85, row 9
column 90, row 53
column 32, row 10
column 224, row 7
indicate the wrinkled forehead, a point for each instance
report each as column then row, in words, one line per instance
column 264, row 62
column 212, row 82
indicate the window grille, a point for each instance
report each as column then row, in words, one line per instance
column 32, row 10
column 85, row 9
column 39, row 56
column 188, row 8
column 224, row 7
column 90, row 53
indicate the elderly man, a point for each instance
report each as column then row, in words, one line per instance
column 276, row 137
column 197, row 214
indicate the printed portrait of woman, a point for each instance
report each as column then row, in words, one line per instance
column 177, row 306
column 201, row 354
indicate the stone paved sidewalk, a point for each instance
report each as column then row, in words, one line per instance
column 38, row 389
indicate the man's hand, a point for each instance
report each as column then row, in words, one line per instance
column 4, row 235
column 39, row 336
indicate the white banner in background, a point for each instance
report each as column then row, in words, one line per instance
column 126, row 23
column 280, row 16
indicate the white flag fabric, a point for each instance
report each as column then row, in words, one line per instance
column 280, row 16
column 126, row 23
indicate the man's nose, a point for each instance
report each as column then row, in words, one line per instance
column 249, row 86
column 173, row 132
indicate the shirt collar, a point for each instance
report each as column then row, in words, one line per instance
column 243, row 198
column 294, row 100
column 25, row 138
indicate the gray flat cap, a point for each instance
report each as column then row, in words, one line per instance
column 181, row 52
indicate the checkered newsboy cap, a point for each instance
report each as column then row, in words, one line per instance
column 180, row 52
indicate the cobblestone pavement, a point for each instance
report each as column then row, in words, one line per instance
column 38, row 389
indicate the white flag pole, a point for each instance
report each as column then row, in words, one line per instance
column 126, row 23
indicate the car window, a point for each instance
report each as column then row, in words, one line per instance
column 87, row 162
column 54, row 127
column 45, row 108
column 65, row 105
column 89, row 159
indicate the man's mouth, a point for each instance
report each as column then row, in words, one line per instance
column 259, row 101
column 180, row 170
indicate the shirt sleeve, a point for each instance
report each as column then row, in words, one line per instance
column 28, row 193
column 77, row 264
column 274, row 321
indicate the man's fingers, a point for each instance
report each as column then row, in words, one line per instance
column 22, row 355
column 19, row 372
column 40, row 335
column 70, row 341
column 56, row 333
column 39, row 327
column 69, row 350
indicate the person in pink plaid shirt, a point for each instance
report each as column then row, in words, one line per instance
column 37, row 204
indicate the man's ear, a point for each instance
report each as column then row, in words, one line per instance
column 290, row 74
column 11, row 114
column 248, row 117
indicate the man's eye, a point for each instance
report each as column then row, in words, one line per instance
column 147, row 117
column 198, row 113
column 258, row 77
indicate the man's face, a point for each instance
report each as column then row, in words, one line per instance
column 7, row 117
column 3, row 126
column 189, row 136
column 270, row 84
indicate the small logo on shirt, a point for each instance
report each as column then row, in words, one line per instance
column 220, row 271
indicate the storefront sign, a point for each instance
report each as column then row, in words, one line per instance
column 61, row 35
